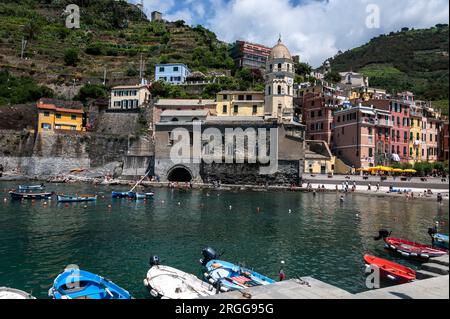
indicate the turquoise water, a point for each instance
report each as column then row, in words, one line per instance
column 320, row 237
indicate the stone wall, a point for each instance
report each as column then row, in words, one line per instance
column 288, row 173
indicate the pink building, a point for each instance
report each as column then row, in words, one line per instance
column 317, row 114
column 354, row 136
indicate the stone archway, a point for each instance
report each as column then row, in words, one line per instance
column 179, row 174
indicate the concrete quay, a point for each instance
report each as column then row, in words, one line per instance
column 311, row 288
column 436, row 286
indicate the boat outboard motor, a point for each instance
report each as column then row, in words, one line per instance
column 208, row 255
column 154, row 261
column 382, row 233
column 431, row 232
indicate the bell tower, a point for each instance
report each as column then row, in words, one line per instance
column 279, row 89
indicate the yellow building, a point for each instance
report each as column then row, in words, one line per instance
column 51, row 117
column 318, row 158
column 240, row 103
column 415, row 137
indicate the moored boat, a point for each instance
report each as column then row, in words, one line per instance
column 11, row 293
column 80, row 284
column 408, row 248
column 437, row 239
column 390, row 270
column 170, row 283
column 31, row 187
column 119, row 194
column 35, row 196
column 76, row 198
column 227, row 276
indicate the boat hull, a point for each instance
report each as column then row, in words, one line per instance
column 391, row 271
column 30, row 196
column 81, row 284
column 440, row 241
column 170, row 283
column 119, row 194
column 11, row 293
column 75, row 199
column 232, row 277
column 412, row 250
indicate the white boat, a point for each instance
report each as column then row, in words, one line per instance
column 11, row 293
column 169, row 283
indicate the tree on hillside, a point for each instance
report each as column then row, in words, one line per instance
column 71, row 57
column 303, row 69
column 91, row 91
column 333, row 77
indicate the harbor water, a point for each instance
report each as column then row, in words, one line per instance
column 315, row 236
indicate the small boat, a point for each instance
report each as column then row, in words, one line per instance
column 31, row 187
column 170, row 283
column 119, row 194
column 73, row 199
column 438, row 240
column 11, row 293
column 38, row 196
column 227, row 276
column 80, row 284
column 389, row 270
column 135, row 195
column 408, row 248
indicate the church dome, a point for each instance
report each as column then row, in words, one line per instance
column 280, row 51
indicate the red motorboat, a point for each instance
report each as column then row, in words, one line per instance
column 390, row 270
column 409, row 248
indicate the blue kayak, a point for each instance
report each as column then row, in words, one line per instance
column 232, row 277
column 81, row 284
column 440, row 241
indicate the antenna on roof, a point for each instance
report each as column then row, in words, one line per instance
column 279, row 38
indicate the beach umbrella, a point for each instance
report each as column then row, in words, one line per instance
column 397, row 170
column 385, row 169
column 409, row 170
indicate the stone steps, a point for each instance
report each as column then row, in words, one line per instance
column 436, row 268
column 423, row 274
column 443, row 260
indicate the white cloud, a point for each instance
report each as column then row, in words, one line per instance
column 318, row 29
column 314, row 29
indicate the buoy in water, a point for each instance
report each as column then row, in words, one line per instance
column 230, row 207
column 290, row 211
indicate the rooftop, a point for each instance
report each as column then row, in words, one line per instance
column 184, row 102
column 138, row 86
column 194, row 113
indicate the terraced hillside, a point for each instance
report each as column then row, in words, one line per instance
column 113, row 36
column 414, row 60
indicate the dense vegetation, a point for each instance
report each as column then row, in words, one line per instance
column 18, row 90
column 114, row 35
column 414, row 60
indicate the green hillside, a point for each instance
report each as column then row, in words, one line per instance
column 113, row 36
column 414, row 60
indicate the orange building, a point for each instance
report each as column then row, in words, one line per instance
column 52, row 117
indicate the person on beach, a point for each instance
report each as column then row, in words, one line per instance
column 378, row 187
column 369, row 187
column 439, row 198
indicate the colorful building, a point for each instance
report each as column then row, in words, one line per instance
column 129, row 97
column 240, row 103
column 443, row 143
column 52, row 117
column 182, row 105
column 175, row 73
column 249, row 55
column 360, row 133
column 319, row 103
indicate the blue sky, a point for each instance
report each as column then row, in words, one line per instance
column 314, row 29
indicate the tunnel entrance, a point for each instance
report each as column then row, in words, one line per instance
column 179, row 174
